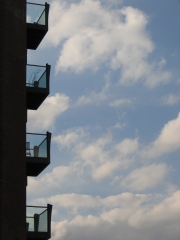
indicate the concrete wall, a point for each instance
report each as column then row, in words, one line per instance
column 12, row 119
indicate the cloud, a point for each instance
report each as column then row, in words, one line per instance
column 156, row 77
column 94, row 97
column 102, row 158
column 106, row 169
column 82, row 27
column 98, row 158
column 121, row 102
column 91, row 98
column 70, row 200
column 87, row 24
column 145, row 177
column 136, row 218
column 44, row 118
column 119, row 125
column 54, row 179
column 164, row 213
column 127, row 146
column 167, row 141
column 171, row 99
column 69, row 137
column 80, row 201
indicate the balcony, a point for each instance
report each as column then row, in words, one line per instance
column 37, row 23
column 37, row 153
column 37, row 85
column 38, row 222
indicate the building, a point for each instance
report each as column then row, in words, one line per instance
column 22, row 87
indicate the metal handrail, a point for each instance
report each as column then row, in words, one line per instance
column 36, row 206
column 36, row 65
column 36, row 4
column 37, row 134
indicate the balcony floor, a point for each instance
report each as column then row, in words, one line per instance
column 35, row 165
column 35, row 97
column 35, row 34
column 38, row 236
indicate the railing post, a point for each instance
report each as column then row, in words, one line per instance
column 46, row 13
column 36, row 222
column 48, row 68
column 48, row 144
column 49, row 206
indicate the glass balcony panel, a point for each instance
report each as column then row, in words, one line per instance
column 37, row 218
column 43, row 149
column 30, row 221
column 36, row 145
column 37, row 153
column 42, row 18
column 43, row 222
column 35, row 14
column 42, row 80
column 36, row 76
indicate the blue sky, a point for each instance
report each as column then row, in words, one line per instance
column 113, row 111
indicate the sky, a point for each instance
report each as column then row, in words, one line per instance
column 114, row 114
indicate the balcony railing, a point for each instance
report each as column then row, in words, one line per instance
column 36, row 13
column 37, row 152
column 38, row 222
column 37, row 23
column 37, row 85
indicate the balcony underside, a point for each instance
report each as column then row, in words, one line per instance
column 35, row 34
column 35, row 97
column 35, row 165
column 38, row 236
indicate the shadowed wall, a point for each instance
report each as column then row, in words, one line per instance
column 12, row 119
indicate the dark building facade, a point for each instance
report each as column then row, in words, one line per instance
column 20, row 155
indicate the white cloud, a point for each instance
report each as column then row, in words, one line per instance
column 121, row 102
column 71, row 200
column 94, row 97
column 103, row 158
column 82, row 27
column 166, row 212
column 156, row 77
column 93, row 153
column 171, row 99
column 119, row 125
column 44, row 118
column 167, row 141
column 91, row 98
column 135, row 218
column 80, row 201
column 145, row 177
column 87, row 24
column 127, row 146
column 69, row 137
column 98, row 158
column 106, row 169
column 54, row 179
